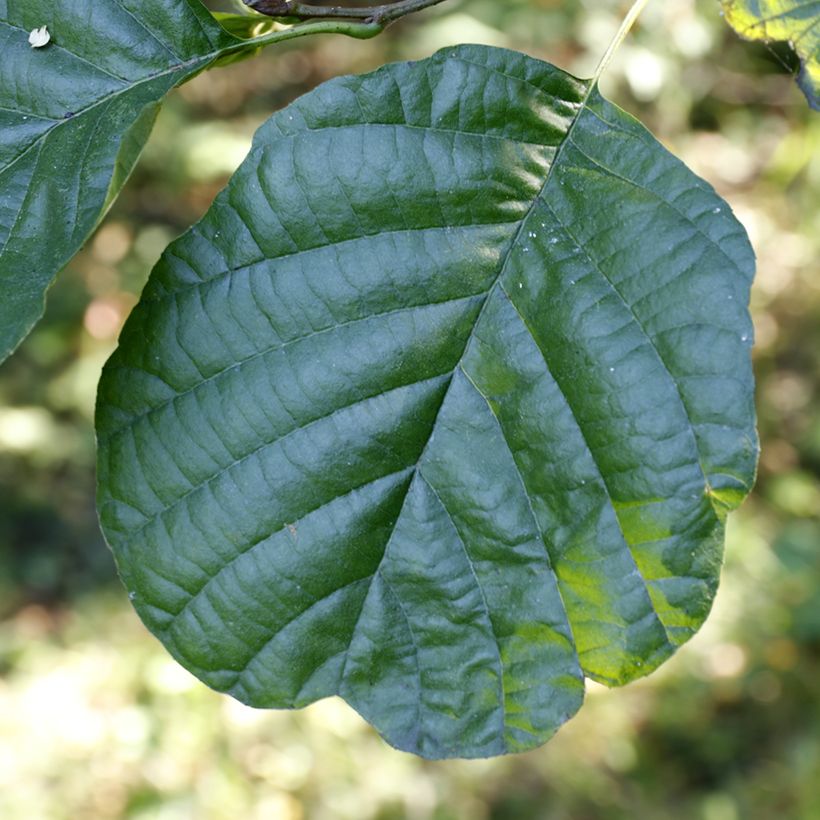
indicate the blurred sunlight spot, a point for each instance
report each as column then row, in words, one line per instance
column 796, row 493
column 151, row 242
column 76, row 387
column 645, row 72
column 620, row 754
column 132, row 727
column 726, row 660
column 166, row 772
column 766, row 330
column 166, row 676
column 212, row 150
column 692, row 37
column 240, row 715
column 593, row 688
column 719, row 807
column 171, row 810
column 112, row 243
column 453, row 29
column 56, row 703
column 287, row 769
column 788, row 392
column 597, row 28
column 718, row 158
column 757, row 225
column 105, row 316
column 278, row 806
column 334, row 715
column 25, row 429
column 8, row 765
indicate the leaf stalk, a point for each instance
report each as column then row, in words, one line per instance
column 381, row 15
column 626, row 26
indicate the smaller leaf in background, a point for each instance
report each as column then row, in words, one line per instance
column 73, row 120
column 796, row 22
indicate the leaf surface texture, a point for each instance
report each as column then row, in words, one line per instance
column 440, row 408
column 74, row 116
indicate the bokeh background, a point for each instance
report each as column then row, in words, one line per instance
column 97, row 721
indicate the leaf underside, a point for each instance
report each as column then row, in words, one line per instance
column 796, row 22
column 440, row 408
column 74, row 117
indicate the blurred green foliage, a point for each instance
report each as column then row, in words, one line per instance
column 96, row 721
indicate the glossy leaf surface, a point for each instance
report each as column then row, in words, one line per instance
column 440, row 408
column 74, row 116
column 796, row 22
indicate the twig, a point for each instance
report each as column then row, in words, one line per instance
column 379, row 15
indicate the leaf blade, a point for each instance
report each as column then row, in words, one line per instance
column 415, row 306
column 92, row 108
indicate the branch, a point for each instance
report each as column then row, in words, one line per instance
column 379, row 15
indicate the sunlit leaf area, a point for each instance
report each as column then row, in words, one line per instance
column 97, row 720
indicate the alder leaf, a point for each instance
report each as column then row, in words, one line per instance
column 440, row 408
column 796, row 22
column 74, row 116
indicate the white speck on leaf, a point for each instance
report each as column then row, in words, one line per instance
column 39, row 37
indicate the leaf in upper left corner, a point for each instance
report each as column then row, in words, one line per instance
column 73, row 119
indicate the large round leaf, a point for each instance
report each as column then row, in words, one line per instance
column 440, row 408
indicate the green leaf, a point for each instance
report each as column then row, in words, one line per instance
column 74, row 117
column 796, row 22
column 440, row 408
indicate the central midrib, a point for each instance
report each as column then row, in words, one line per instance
column 459, row 365
column 486, row 297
